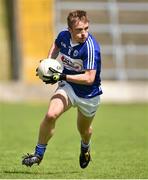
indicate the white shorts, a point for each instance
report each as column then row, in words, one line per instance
column 88, row 107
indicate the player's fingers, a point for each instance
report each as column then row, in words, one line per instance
column 53, row 70
column 47, row 77
column 36, row 72
column 47, row 81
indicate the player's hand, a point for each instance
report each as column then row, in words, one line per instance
column 54, row 78
column 51, row 79
column 36, row 72
column 37, row 68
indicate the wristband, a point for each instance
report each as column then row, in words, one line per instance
column 63, row 77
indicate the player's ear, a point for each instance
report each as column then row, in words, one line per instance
column 69, row 29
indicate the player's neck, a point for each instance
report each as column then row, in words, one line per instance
column 73, row 42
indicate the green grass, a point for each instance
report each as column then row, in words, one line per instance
column 119, row 143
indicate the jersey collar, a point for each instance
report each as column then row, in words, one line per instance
column 73, row 44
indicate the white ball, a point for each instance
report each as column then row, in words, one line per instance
column 46, row 64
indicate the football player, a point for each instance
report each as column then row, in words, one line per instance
column 79, row 85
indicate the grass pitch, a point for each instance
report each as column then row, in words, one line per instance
column 119, row 145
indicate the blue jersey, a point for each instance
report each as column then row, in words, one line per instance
column 79, row 57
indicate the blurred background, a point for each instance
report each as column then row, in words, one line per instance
column 28, row 28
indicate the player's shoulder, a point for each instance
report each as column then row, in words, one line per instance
column 92, row 39
column 91, row 42
column 64, row 33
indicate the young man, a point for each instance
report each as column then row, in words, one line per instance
column 79, row 85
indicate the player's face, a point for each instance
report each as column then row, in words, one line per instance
column 79, row 32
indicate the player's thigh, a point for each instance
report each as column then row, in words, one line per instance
column 83, row 122
column 59, row 103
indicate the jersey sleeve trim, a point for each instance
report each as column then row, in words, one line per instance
column 91, row 53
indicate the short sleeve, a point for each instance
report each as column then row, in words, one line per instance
column 62, row 37
column 58, row 40
column 91, row 54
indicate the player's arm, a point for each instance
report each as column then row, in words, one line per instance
column 54, row 51
column 87, row 78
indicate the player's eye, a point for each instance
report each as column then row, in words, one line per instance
column 86, row 28
column 79, row 29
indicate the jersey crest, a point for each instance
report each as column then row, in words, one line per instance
column 70, row 63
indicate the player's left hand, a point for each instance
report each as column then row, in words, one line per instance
column 36, row 70
column 54, row 78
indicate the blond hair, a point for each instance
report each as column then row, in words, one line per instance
column 74, row 16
